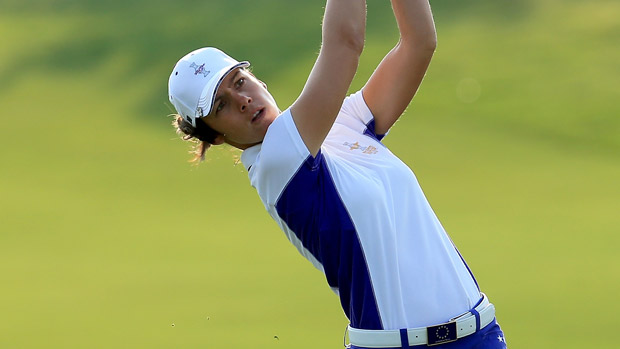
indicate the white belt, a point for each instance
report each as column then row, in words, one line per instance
column 458, row 327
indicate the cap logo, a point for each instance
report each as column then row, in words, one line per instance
column 200, row 69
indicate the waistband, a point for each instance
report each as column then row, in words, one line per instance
column 458, row 327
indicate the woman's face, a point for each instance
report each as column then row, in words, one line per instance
column 243, row 110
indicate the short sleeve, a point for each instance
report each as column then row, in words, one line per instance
column 356, row 115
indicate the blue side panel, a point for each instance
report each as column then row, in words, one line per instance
column 312, row 208
column 370, row 131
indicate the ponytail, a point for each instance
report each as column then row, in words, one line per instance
column 202, row 135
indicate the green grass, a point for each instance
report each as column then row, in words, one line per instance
column 108, row 237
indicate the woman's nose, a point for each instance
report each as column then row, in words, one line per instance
column 245, row 102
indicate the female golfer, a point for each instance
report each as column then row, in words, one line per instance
column 342, row 198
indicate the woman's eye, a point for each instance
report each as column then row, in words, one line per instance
column 220, row 106
column 240, row 82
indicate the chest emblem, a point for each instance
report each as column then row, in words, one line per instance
column 364, row 149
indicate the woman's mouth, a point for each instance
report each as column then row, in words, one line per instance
column 258, row 114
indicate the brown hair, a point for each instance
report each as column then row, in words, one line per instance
column 202, row 135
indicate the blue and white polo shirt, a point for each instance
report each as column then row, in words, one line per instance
column 358, row 214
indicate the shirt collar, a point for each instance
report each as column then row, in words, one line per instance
column 248, row 157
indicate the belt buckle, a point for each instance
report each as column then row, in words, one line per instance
column 442, row 333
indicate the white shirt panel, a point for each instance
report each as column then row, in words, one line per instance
column 418, row 277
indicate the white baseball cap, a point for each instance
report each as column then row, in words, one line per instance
column 195, row 79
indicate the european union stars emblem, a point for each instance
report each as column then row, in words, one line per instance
column 200, row 69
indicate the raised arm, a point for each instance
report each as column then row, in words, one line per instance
column 397, row 78
column 318, row 105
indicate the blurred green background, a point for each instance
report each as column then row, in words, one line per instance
column 110, row 239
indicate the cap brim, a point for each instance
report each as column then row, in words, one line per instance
column 207, row 97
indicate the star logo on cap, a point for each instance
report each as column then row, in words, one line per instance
column 200, row 69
